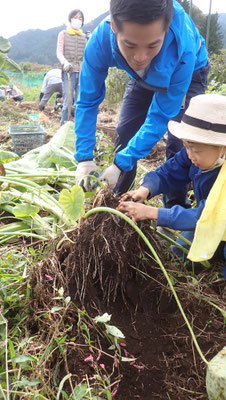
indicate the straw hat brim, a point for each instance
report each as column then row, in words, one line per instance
column 187, row 132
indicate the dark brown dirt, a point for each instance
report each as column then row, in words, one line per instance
column 95, row 269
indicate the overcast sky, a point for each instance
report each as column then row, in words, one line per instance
column 22, row 15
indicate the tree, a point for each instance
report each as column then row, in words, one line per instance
column 215, row 35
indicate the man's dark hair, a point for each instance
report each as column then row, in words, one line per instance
column 73, row 13
column 140, row 11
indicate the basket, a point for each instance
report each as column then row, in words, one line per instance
column 26, row 137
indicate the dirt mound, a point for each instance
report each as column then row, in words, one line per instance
column 104, row 266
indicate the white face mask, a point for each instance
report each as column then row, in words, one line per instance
column 76, row 23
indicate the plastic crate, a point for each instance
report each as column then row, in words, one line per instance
column 26, row 137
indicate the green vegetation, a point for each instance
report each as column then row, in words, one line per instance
column 40, row 204
column 5, row 62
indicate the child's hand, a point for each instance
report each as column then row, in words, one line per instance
column 138, row 195
column 138, row 211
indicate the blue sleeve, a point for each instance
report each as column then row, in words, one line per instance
column 180, row 218
column 172, row 175
column 163, row 108
column 92, row 92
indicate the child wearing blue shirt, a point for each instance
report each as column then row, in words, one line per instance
column 203, row 132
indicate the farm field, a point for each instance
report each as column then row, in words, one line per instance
column 90, row 308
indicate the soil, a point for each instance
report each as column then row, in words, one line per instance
column 96, row 269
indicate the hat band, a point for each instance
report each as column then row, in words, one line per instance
column 199, row 123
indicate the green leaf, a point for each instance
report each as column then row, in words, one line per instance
column 55, row 308
column 5, row 45
column 25, row 210
column 114, row 331
column 79, row 392
column 103, row 318
column 126, row 359
column 73, row 202
column 23, row 359
column 6, row 156
column 5, row 198
column 67, row 300
column 25, row 382
column 8, row 63
column 61, row 385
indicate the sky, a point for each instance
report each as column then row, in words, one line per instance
column 22, row 15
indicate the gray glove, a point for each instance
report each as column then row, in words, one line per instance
column 67, row 66
column 111, row 175
column 84, row 168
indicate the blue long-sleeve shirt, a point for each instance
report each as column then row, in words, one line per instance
column 169, row 76
column 174, row 174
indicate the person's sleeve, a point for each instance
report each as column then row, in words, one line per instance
column 92, row 92
column 60, row 48
column 163, row 108
column 180, row 218
column 172, row 175
column 44, row 86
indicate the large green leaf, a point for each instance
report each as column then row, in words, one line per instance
column 25, row 210
column 9, row 64
column 73, row 202
column 5, row 45
column 6, row 156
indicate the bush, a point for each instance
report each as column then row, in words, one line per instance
column 217, row 74
column 115, row 85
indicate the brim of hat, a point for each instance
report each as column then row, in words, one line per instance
column 191, row 133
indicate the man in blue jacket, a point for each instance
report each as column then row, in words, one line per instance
column 160, row 48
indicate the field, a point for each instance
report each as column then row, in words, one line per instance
column 98, row 308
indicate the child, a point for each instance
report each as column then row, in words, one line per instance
column 203, row 132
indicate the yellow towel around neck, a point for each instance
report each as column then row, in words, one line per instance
column 72, row 31
column 211, row 226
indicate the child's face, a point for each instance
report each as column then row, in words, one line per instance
column 203, row 155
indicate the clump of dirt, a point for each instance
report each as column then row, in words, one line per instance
column 97, row 259
column 105, row 267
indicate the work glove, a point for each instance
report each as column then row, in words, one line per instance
column 67, row 66
column 85, row 168
column 111, row 175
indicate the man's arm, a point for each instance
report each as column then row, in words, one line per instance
column 92, row 92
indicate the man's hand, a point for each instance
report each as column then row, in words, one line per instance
column 84, row 168
column 111, row 175
column 138, row 211
column 138, row 195
column 67, row 66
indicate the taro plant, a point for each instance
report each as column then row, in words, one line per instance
column 5, row 62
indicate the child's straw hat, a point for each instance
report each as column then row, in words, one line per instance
column 204, row 121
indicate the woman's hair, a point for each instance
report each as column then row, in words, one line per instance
column 73, row 13
column 140, row 11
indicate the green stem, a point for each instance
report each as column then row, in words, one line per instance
column 141, row 234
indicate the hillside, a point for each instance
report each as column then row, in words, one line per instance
column 39, row 46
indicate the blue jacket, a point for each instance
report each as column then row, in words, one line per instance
column 169, row 75
column 175, row 174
